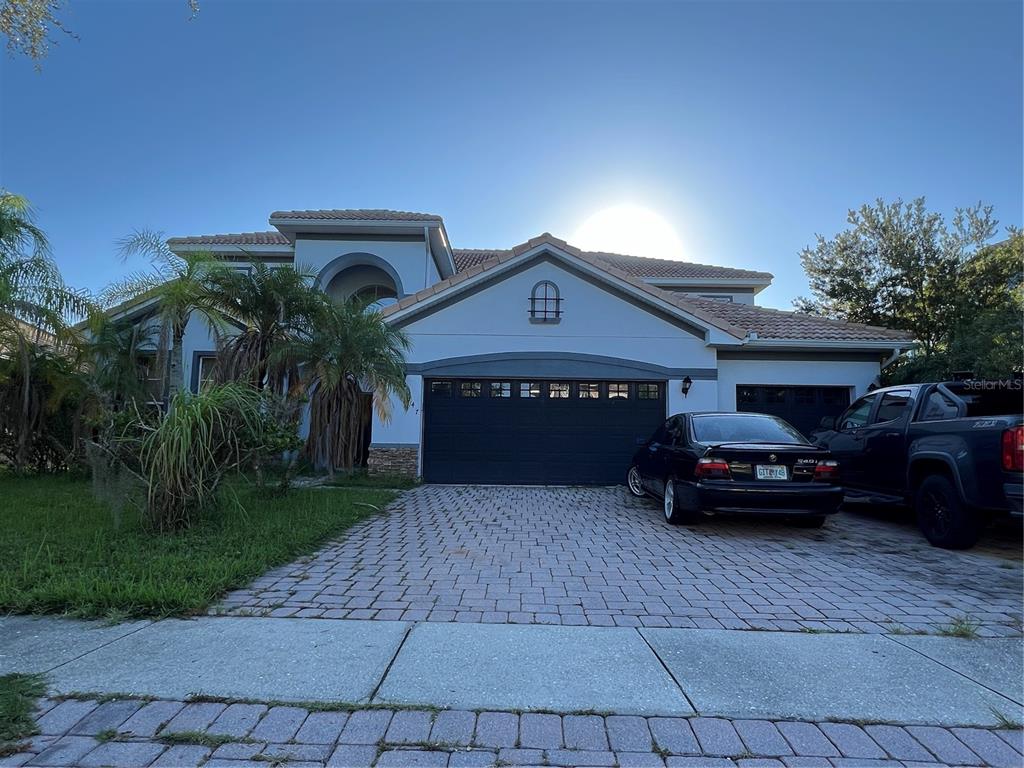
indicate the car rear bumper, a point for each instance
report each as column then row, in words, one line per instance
column 784, row 499
column 1015, row 498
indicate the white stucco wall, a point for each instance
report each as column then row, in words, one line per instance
column 857, row 375
column 595, row 322
column 703, row 396
column 411, row 260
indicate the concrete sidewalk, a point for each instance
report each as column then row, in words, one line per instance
column 671, row 672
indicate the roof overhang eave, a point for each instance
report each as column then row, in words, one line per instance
column 260, row 249
column 757, row 283
column 866, row 345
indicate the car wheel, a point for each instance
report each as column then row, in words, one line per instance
column 674, row 514
column 943, row 517
column 809, row 521
column 634, row 482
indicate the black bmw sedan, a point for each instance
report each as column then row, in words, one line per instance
column 735, row 463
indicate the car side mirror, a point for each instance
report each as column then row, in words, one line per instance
column 827, row 422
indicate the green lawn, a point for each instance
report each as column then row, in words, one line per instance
column 62, row 553
column 362, row 479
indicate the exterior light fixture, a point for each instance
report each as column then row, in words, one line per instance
column 687, row 383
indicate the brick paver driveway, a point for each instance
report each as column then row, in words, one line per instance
column 597, row 556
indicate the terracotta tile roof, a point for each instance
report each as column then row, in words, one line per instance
column 238, row 238
column 770, row 323
column 637, row 266
column 732, row 317
column 356, row 214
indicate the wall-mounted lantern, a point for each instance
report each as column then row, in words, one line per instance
column 687, row 383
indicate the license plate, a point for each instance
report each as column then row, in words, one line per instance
column 771, row 472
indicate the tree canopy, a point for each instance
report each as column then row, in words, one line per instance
column 29, row 25
column 902, row 266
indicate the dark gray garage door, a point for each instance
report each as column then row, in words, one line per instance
column 536, row 432
column 803, row 407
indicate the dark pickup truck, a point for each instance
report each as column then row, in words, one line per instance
column 954, row 451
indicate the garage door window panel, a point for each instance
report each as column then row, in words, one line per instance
column 470, row 388
column 441, row 388
column 588, row 390
column 618, row 391
column 529, row 390
column 648, row 391
column 501, row 389
column 558, row 390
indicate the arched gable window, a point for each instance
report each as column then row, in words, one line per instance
column 545, row 303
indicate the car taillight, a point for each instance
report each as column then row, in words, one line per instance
column 1013, row 449
column 827, row 470
column 713, row 469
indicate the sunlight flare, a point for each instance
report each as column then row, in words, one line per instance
column 630, row 229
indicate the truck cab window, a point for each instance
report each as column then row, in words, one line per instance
column 893, row 406
column 938, row 407
column 856, row 415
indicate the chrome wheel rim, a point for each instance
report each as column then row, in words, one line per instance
column 670, row 499
column 634, row 482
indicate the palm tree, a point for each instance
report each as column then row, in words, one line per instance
column 269, row 304
column 345, row 351
column 111, row 349
column 36, row 307
column 179, row 285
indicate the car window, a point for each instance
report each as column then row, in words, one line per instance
column 938, row 406
column 676, row 427
column 856, row 415
column 893, row 406
column 664, row 433
column 744, row 428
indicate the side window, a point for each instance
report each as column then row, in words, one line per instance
column 857, row 414
column 678, row 431
column 660, row 434
column 938, row 406
column 893, row 406
column 206, row 365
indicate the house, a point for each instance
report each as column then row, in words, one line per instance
column 543, row 363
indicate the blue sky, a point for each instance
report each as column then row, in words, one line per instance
column 750, row 127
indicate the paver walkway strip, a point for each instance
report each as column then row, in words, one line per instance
column 400, row 738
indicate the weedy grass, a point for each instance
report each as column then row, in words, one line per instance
column 363, row 479
column 202, row 739
column 961, row 626
column 64, row 552
column 18, row 695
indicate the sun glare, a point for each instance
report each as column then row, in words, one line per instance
column 629, row 229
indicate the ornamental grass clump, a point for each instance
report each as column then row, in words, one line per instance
column 178, row 461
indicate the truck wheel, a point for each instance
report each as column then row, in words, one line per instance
column 943, row 517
